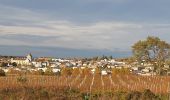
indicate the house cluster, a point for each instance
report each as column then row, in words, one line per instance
column 29, row 63
column 148, row 69
column 43, row 63
column 20, row 63
column 144, row 71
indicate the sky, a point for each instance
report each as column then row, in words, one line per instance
column 80, row 27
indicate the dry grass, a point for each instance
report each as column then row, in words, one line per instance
column 157, row 84
column 39, row 87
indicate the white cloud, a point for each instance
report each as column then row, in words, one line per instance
column 99, row 35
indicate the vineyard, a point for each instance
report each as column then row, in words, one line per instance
column 89, row 83
column 92, row 83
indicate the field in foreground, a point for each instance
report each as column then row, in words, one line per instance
column 94, row 86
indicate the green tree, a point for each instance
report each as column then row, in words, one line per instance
column 110, row 57
column 152, row 50
column 3, row 64
column 14, row 64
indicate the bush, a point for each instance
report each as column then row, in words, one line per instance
column 22, row 79
column 145, row 95
column 86, row 96
column 44, row 95
column 149, row 95
column 3, row 64
column 39, row 72
column 48, row 72
column 134, row 95
column 14, row 64
column 2, row 73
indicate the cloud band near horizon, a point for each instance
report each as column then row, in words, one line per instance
column 32, row 26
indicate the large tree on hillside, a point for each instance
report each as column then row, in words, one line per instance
column 152, row 50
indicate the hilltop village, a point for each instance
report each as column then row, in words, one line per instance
column 106, row 65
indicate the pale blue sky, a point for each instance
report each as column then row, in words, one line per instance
column 104, row 25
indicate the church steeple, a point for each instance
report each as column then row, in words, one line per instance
column 29, row 57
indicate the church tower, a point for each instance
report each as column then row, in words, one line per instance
column 29, row 57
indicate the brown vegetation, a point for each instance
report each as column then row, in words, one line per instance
column 80, row 84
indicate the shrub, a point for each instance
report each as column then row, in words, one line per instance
column 22, row 79
column 3, row 64
column 44, row 94
column 134, row 95
column 86, row 96
column 145, row 95
column 14, row 64
column 148, row 95
column 39, row 72
column 49, row 72
column 2, row 73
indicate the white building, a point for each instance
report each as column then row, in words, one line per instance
column 103, row 72
column 23, row 61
